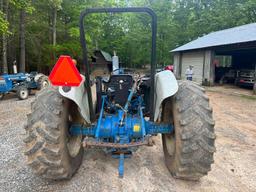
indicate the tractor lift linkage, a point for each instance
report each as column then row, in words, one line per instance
column 122, row 131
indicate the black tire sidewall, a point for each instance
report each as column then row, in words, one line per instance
column 72, row 162
column 1, row 96
column 193, row 139
column 47, row 137
column 41, row 81
column 171, row 160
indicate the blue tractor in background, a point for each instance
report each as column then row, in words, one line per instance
column 22, row 83
column 118, row 115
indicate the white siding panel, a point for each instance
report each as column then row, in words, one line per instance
column 176, row 63
column 197, row 60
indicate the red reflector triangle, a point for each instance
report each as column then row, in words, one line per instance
column 65, row 73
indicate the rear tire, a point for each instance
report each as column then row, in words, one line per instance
column 43, row 82
column 1, row 96
column 51, row 151
column 189, row 150
column 23, row 92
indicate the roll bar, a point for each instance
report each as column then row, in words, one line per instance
column 85, row 56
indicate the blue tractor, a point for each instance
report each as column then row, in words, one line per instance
column 119, row 115
column 22, row 83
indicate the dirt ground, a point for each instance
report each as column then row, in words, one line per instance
column 234, row 168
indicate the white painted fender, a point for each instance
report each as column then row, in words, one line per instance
column 80, row 97
column 166, row 86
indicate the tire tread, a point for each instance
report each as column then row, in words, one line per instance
column 43, row 147
column 196, row 139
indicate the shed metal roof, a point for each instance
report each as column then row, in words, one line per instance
column 241, row 34
column 106, row 55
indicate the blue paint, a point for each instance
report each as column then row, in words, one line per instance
column 122, row 126
column 121, row 166
column 143, row 123
column 109, row 129
column 100, row 118
column 11, row 82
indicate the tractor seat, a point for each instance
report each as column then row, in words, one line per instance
column 118, row 87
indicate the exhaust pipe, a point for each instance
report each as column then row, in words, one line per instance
column 115, row 64
column 15, row 71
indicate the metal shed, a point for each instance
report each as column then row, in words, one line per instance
column 101, row 63
column 239, row 43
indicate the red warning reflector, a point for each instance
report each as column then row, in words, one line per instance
column 65, row 73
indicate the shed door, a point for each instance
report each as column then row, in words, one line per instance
column 197, row 60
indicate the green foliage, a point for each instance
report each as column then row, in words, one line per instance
column 55, row 4
column 23, row 4
column 179, row 21
column 3, row 24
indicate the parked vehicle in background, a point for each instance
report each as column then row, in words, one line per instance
column 22, row 83
column 229, row 77
column 245, row 78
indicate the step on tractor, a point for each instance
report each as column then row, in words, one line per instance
column 22, row 83
column 123, row 114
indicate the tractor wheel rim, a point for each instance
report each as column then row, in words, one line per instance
column 73, row 142
column 23, row 94
column 74, row 145
column 45, row 84
column 170, row 144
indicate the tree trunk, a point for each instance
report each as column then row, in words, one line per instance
column 38, row 66
column 11, row 45
column 4, row 39
column 54, row 26
column 54, row 31
column 1, row 66
column 66, row 27
column 22, row 41
column 50, row 27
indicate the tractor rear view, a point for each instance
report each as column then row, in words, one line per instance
column 129, row 110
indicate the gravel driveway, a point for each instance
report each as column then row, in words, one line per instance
column 234, row 168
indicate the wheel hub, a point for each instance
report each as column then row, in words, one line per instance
column 74, row 142
column 23, row 94
column 74, row 145
column 44, row 84
column 170, row 144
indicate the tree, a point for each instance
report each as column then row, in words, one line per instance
column 55, row 6
column 53, row 29
column 23, row 6
column 22, row 41
column 3, row 21
column 5, row 6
